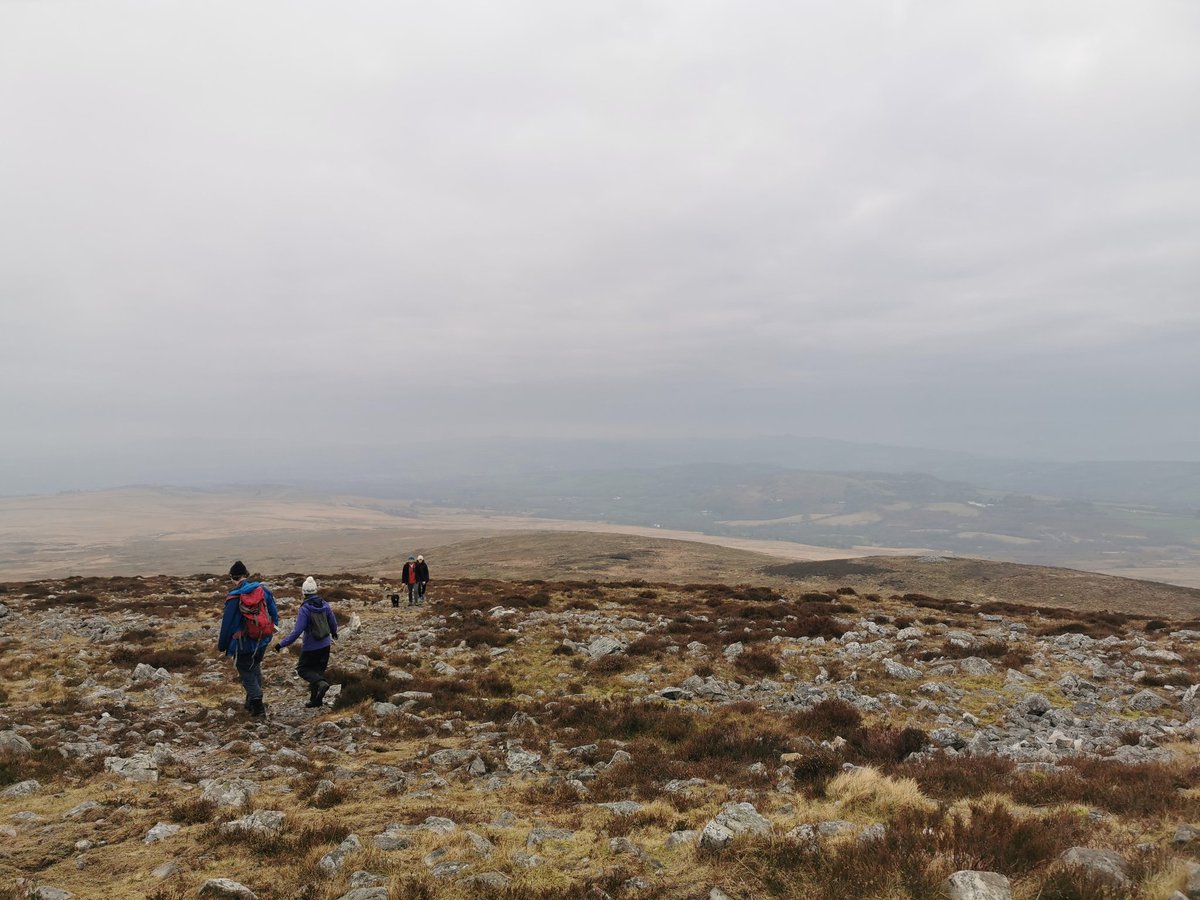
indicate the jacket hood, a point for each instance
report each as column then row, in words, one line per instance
column 314, row 602
column 244, row 588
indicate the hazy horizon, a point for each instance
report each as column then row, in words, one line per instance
column 245, row 242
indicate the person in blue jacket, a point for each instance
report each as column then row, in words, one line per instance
column 246, row 637
column 318, row 624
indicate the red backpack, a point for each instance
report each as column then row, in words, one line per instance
column 256, row 621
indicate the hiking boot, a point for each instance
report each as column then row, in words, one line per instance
column 257, row 707
column 319, row 697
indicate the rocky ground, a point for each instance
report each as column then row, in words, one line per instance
column 575, row 739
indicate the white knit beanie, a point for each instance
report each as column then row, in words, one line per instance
column 310, row 585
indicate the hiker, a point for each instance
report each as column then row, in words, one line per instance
column 422, row 578
column 409, row 576
column 318, row 624
column 249, row 620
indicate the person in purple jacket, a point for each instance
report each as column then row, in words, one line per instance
column 318, row 624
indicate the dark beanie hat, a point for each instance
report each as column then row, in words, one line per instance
column 238, row 570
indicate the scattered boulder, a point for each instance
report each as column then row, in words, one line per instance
column 1146, row 701
column 495, row 880
column 226, row 887
column 333, row 861
column 161, row 831
column 366, row 893
column 11, row 742
column 262, row 821
column 543, row 835
column 21, row 789
column 974, row 665
column 227, row 793
column 447, row 759
column 971, row 885
column 899, row 670
column 140, row 767
column 1106, row 865
column 1184, row 835
column 603, row 645
column 734, row 820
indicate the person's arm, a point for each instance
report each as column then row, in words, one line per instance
column 228, row 624
column 332, row 621
column 301, row 624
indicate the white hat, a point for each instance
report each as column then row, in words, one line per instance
column 310, row 585
column 420, row 559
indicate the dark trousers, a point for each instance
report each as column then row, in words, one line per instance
column 249, row 669
column 312, row 664
column 412, row 594
column 421, row 589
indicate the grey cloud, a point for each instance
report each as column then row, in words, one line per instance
column 856, row 220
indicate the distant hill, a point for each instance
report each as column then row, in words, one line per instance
column 618, row 557
column 983, row 580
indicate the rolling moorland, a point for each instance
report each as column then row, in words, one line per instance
column 1141, row 529
column 822, row 729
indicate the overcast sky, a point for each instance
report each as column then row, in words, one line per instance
column 966, row 225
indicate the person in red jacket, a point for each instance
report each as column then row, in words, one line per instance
column 409, row 577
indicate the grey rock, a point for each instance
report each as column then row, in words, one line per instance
column 900, row 671
column 539, row 836
column 974, row 665
column 80, row 810
column 480, row 844
column 227, row 793
column 1146, row 701
column 675, row 693
column 622, row 807
column 160, row 831
column 971, row 885
column 140, row 767
column 262, row 821
column 834, row 827
column 682, row 839
column 21, row 789
column 734, row 650
column 333, row 861
column 392, row 839
column 1107, row 865
column 449, row 869
column 384, row 709
column 11, row 742
column 1192, row 886
column 734, row 820
column 46, row 892
column 603, row 645
column 521, row 760
column 485, row 880
column 226, row 887
column 438, row 825
column 169, row 869
column 450, row 758
column 1184, row 835
column 366, row 893
column 1033, row 705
